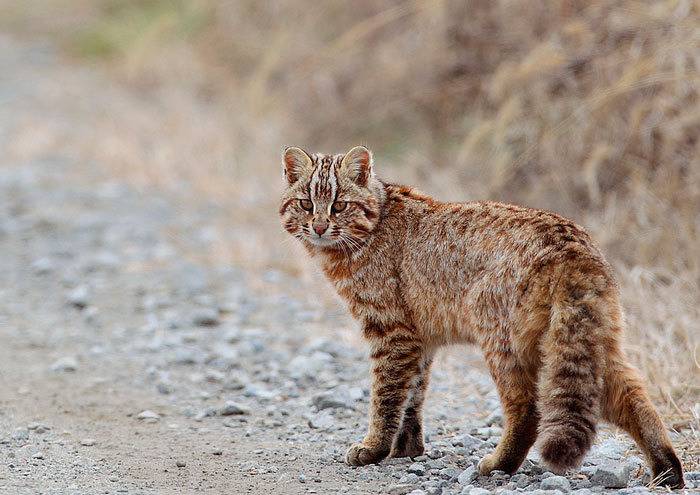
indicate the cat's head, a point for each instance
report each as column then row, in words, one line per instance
column 332, row 201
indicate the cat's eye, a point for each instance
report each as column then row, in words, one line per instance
column 306, row 204
column 338, row 206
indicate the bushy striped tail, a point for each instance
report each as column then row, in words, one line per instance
column 571, row 378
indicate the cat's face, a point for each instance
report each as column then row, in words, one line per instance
column 331, row 201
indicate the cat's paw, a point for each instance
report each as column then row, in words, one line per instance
column 486, row 465
column 412, row 447
column 361, row 455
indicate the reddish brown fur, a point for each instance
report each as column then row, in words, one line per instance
column 528, row 286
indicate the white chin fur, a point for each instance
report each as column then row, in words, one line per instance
column 321, row 242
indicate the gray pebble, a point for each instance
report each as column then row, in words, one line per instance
column 469, row 442
column 87, row 442
column 400, row 489
column 205, row 317
column 78, row 297
column 330, row 400
column 148, row 416
column 409, row 479
column 66, row 364
column 468, row 475
column 611, row 475
column 556, row 483
column 233, row 408
column 416, row 468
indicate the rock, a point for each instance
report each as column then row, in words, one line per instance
column 556, row 483
column 400, row 489
column 207, row 412
column 330, row 400
column 180, row 464
column 416, row 468
column 435, row 464
column 409, row 479
column 309, row 366
column 449, row 473
column 43, row 266
column 259, row 391
column 468, row 475
column 148, row 416
column 78, row 297
column 205, row 317
column 66, row 364
column 479, row 491
column 609, row 449
column 417, row 491
column 20, row 434
column 188, row 355
column 469, row 442
column 611, row 475
column 233, row 408
column 521, row 480
column 87, row 442
column 321, row 421
column 38, row 455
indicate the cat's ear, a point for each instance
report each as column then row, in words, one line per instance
column 358, row 165
column 295, row 162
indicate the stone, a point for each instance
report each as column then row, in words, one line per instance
column 409, row 479
column 611, row 475
column 66, row 364
column 479, row 491
column 205, row 317
column 556, row 483
column 43, row 266
column 231, row 408
column 435, row 464
column 400, row 489
column 469, row 442
column 468, row 475
column 309, row 366
column 330, row 400
column 78, row 297
column 148, row 416
column 321, row 421
column 416, row 468
column 38, row 455
column 87, row 442
column 180, row 464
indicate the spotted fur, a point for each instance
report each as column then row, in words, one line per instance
column 527, row 286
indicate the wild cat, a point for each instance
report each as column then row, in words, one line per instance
column 528, row 286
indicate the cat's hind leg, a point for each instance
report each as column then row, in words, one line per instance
column 627, row 405
column 517, row 390
column 409, row 439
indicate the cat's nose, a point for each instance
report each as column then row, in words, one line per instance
column 320, row 228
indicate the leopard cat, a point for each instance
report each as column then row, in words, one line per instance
column 527, row 286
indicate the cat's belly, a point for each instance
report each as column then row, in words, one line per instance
column 441, row 319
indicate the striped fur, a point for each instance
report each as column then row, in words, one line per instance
column 527, row 286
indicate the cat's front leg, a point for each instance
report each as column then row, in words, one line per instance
column 409, row 439
column 397, row 354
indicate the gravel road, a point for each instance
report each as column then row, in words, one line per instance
column 130, row 363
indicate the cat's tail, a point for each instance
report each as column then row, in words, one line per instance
column 573, row 361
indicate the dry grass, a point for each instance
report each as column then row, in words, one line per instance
column 587, row 108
